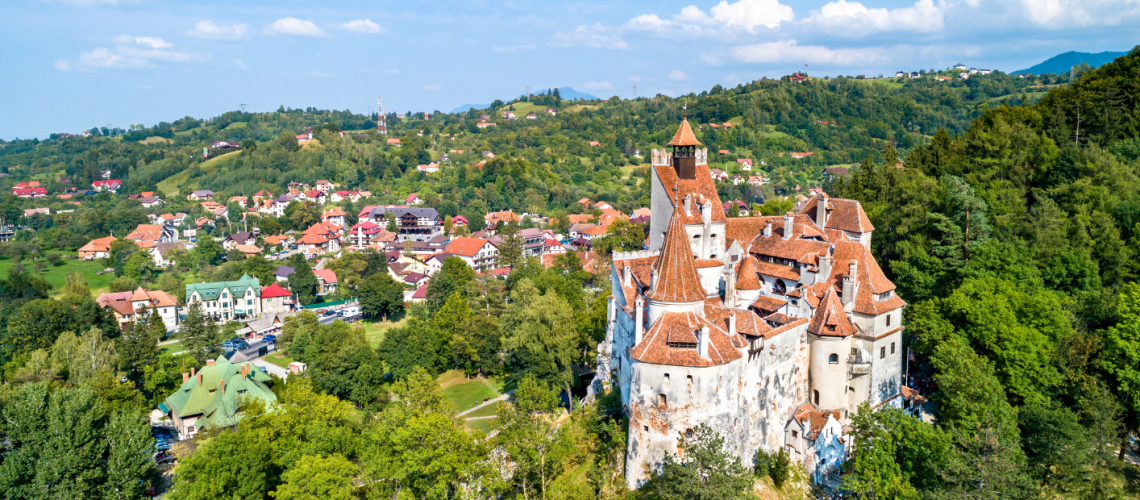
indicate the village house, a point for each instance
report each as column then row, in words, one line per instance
column 126, row 305
column 326, row 281
column 275, row 300
column 146, row 235
column 150, row 201
column 238, row 238
column 200, row 195
column 163, row 253
column 29, row 192
column 33, row 211
column 211, row 398
column 744, row 164
column 110, row 186
column 477, row 253
column 227, row 300
column 98, row 248
column 334, row 216
column 493, row 219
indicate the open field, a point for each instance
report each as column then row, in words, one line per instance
column 483, row 425
column 521, row 109
column 170, row 348
column 463, row 394
column 174, row 184
column 578, row 107
column 279, row 358
column 374, row 330
column 154, row 140
column 56, row 275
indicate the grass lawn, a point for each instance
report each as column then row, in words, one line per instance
column 521, row 109
column 374, row 329
column 280, row 359
column 483, row 425
column 486, row 411
column 56, row 275
column 236, row 125
column 170, row 348
column 154, row 140
column 173, row 185
column 578, row 107
column 465, row 394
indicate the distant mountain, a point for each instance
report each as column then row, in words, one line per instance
column 566, row 93
column 1061, row 63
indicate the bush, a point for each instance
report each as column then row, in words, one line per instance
column 780, row 468
column 761, row 462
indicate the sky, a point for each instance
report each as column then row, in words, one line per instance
column 69, row 65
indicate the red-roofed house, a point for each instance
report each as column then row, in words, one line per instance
column 744, row 163
column 110, row 186
column 32, row 192
column 477, row 253
column 326, row 281
column 333, row 216
column 799, row 156
column 275, row 300
column 413, row 199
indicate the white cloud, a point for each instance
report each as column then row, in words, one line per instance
column 130, row 56
column 678, row 75
column 854, row 17
column 594, row 36
column 240, row 64
column 1079, row 13
column 360, row 26
column 751, row 14
column 294, row 26
column 207, row 30
column 320, row 74
column 748, row 15
column 392, row 71
column 513, row 48
column 635, row 78
column 598, row 85
column 785, row 51
column 433, row 86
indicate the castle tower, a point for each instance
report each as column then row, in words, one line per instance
column 676, row 284
column 684, row 146
column 829, row 338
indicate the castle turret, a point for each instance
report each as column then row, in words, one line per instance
column 677, row 286
column 829, row 337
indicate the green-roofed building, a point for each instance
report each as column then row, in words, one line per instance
column 209, row 398
column 227, row 300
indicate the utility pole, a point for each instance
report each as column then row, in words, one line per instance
column 528, row 93
column 381, row 120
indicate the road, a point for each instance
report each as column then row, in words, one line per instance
column 271, row 368
column 503, row 397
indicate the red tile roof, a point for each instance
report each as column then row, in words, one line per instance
column 274, row 290
column 684, row 136
column 677, row 277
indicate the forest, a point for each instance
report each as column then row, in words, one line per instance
column 1010, row 227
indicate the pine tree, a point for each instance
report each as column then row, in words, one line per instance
column 201, row 336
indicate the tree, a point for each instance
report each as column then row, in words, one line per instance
column 232, row 464
column 527, row 433
column 81, row 357
column 201, row 336
column 510, row 246
column 138, row 344
column 303, row 283
column 705, row 469
column 540, row 334
column 1122, row 357
column 36, row 325
column 621, row 236
column 381, row 296
column 129, row 461
column 454, row 276
column 207, row 252
column 318, row 477
column 288, row 141
column 75, row 285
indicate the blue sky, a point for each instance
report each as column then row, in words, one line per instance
column 73, row 64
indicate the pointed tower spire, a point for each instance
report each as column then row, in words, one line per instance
column 677, row 276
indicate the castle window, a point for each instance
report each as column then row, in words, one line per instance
column 888, row 320
column 882, row 352
column 795, row 434
column 666, row 380
column 816, row 394
column 833, row 359
column 645, row 428
column 661, row 400
column 690, row 381
column 696, row 236
column 892, row 347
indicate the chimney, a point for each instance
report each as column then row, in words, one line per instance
column 788, row 218
column 703, row 343
column 209, row 362
column 729, row 286
column 191, row 371
column 626, row 274
column 824, row 267
column 849, row 282
column 222, row 386
column 732, row 325
column 185, row 377
column 638, row 322
column 821, row 210
column 768, row 229
column 199, row 378
column 688, row 204
column 706, row 211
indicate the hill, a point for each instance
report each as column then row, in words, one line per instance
column 1061, row 63
column 567, row 94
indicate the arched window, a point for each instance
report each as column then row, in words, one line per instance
column 781, row 288
column 833, row 359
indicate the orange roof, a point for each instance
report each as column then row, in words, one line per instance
column 465, row 246
column 677, row 277
column 98, row 245
column 579, row 218
column 684, row 136
column 830, row 320
column 596, row 230
column 672, row 339
column 333, row 212
column 746, row 277
column 146, row 232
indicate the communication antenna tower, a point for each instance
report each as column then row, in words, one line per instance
column 805, row 69
column 243, row 107
column 381, row 120
column 528, row 93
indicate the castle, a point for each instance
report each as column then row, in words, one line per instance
column 771, row 330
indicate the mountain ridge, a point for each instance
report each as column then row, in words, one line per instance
column 567, row 93
column 1061, row 63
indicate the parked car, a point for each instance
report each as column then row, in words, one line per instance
column 241, row 345
column 271, row 338
column 228, row 345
